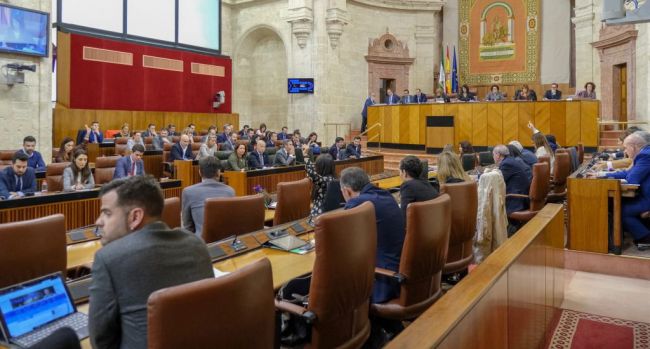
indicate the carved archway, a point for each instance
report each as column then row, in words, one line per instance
column 388, row 58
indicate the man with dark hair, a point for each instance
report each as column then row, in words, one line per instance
column 413, row 188
column 406, row 97
column 192, row 128
column 337, row 150
column 420, row 97
column 160, row 140
column 35, row 160
column 298, row 141
column 132, row 165
column 18, row 179
column 193, row 197
column 286, row 155
column 257, row 159
column 357, row 189
column 150, row 132
column 370, row 101
column 223, row 137
column 354, row 148
column 243, row 133
column 140, row 255
column 231, row 143
column 553, row 93
column 171, row 130
column 284, row 134
column 92, row 134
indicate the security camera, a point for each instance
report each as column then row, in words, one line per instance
column 614, row 12
column 22, row 67
column 14, row 73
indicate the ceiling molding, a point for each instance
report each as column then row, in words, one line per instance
column 411, row 5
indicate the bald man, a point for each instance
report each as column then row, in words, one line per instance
column 182, row 150
column 257, row 159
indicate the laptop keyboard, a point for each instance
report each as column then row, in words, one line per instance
column 77, row 321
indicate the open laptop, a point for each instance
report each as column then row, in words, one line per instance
column 32, row 310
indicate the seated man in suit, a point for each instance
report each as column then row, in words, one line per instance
column 420, row 97
column 257, row 159
column 131, row 165
column 92, row 134
column 18, row 179
column 284, row 134
column 171, row 130
column 413, row 188
column 243, row 133
column 35, row 160
column 150, row 132
column 354, row 148
column 517, row 176
column 286, row 155
column 357, row 189
column 553, row 93
column 231, row 143
column 407, row 98
column 337, row 150
column 160, row 140
column 140, row 255
column 528, row 156
column 227, row 131
column 391, row 98
column 637, row 148
column 181, row 150
column 193, row 197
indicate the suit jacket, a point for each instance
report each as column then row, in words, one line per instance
column 529, row 157
column 390, row 237
column 517, row 176
column 353, row 151
column 94, row 137
column 146, row 134
column 237, row 164
column 394, row 99
column 35, row 161
column 415, row 190
column 228, row 145
column 282, row 158
column 549, row 94
column 532, row 96
column 639, row 173
column 193, row 199
column 123, row 167
column 421, row 98
column 178, row 154
column 470, row 97
column 369, row 101
column 408, row 99
column 254, row 162
column 126, row 271
column 222, row 137
column 282, row 136
column 159, row 143
column 8, row 182
column 338, row 153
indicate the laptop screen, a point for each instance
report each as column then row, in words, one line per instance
column 32, row 304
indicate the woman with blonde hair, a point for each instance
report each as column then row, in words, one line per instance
column 450, row 170
column 542, row 147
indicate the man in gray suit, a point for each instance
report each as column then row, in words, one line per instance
column 286, row 155
column 140, row 255
column 194, row 196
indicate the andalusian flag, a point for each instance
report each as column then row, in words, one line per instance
column 441, row 74
column 447, row 71
column 454, row 75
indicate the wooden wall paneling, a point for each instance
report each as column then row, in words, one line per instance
column 395, row 125
column 113, row 119
column 387, row 126
column 427, row 110
column 375, row 115
column 573, row 123
column 404, row 129
column 463, row 123
column 494, row 124
column 414, row 125
column 270, row 182
column 63, row 69
column 511, row 123
column 589, row 123
column 543, row 116
column 526, row 113
column 177, row 118
column 479, row 124
column 588, row 212
column 232, row 119
column 558, row 122
column 452, row 110
column 438, row 137
column 237, row 180
column 153, row 164
column 142, row 119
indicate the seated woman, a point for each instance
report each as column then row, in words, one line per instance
column 589, row 92
column 312, row 146
column 262, row 130
column 188, row 131
column 321, row 174
column 494, row 94
column 237, row 160
column 208, row 148
column 136, row 139
column 65, row 150
column 543, row 148
column 466, row 147
column 124, row 131
column 525, row 94
column 465, row 95
column 77, row 176
column 450, row 170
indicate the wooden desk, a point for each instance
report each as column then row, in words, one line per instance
column 395, row 182
column 153, row 162
column 79, row 208
column 486, row 123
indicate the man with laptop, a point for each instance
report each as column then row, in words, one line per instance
column 140, row 255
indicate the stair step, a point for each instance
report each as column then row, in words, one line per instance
column 610, row 142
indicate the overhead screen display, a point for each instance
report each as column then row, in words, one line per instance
column 198, row 20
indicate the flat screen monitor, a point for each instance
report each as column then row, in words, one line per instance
column 301, row 85
column 24, row 31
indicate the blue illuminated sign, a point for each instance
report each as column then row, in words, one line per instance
column 301, row 85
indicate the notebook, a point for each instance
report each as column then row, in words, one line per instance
column 286, row 243
column 32, row 310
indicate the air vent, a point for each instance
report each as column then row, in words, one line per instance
column 208, row 69
column 107, row 56
column 162, row 63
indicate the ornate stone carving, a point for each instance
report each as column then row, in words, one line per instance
column 301, row 17
column 388, row 58
column 416, row 5
column 337, row 18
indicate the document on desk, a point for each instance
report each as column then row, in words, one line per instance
column 219, row 273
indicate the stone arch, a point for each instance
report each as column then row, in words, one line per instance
column 260, row 78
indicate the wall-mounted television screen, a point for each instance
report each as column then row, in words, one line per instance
column 24, row 31
column 301, row 85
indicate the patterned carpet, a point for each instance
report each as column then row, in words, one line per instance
column 577, row 330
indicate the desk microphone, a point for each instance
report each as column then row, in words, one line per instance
column 237, row 244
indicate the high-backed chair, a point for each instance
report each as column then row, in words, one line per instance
column 54, row 176
column 537, row 195
column 105, row 168
column 469, row 161
column 428, row 224
column 333, row 197
column 581, row 153
column 294, row 199
column 546, row 159
column 342, row 279
column 32, row 248
column 485, row 158
column 167, row 165
column 464, row 207
column 195, row 147
column 224, row 217
column 197, row 139
column 561, row 172
column 6, row 156
column 171, row 213
column 231, row 311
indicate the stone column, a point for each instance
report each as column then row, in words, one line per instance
column 301, row 17
column 427, row 45
column 587, row 65
column 337, row 18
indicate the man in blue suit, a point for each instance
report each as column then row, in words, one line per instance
column 391, row 98
column 407, row 98
column 181, row 150
column 35, row 160
column 257, row 159
column 284, row 135
column 517, row 176
column 420, row 97
column 357, row 189
column 131, row 165
column 337, row 150
column 354, row 148
column 637, row 148
column 364, row 113
column 92, row 134
column 18, row 179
